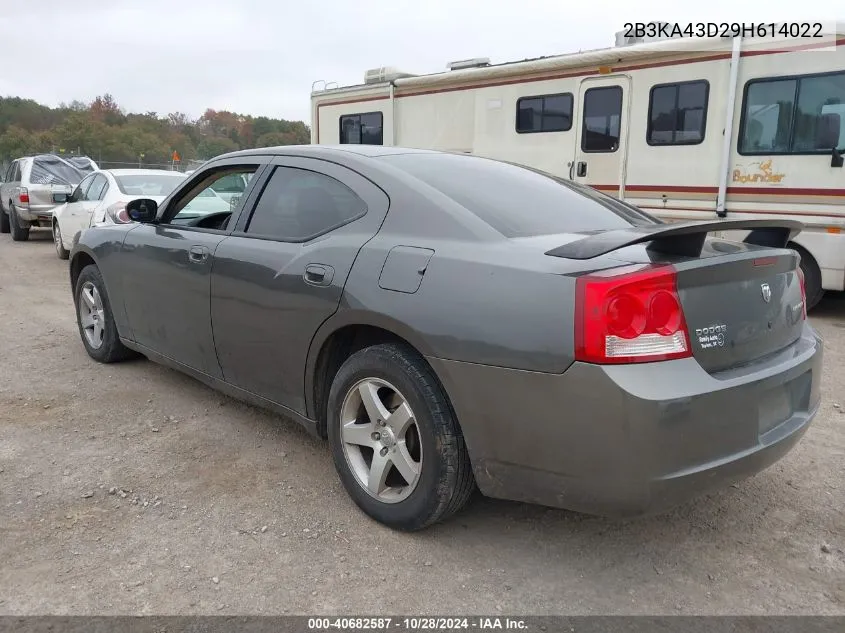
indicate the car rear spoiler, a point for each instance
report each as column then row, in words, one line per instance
column 678, row 238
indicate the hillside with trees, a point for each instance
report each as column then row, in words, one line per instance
column 112, row 137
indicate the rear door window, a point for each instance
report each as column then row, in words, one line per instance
column 297, row 205
column 518, row 201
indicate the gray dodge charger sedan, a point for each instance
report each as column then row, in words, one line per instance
column 450, row 322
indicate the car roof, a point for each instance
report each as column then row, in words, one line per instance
column 326, row 150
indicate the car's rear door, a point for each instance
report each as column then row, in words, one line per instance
column 167, row 271
column 281, row 274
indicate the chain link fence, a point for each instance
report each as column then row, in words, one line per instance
column 182, row 166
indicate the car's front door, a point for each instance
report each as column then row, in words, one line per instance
column 167, row 270
column 77, row 215
column 281, row 273
column 7, row 187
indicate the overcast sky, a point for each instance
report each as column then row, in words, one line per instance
column 260, row 57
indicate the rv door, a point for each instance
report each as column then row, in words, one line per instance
column 601, row 147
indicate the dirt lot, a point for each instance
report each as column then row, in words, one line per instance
column 229, row 509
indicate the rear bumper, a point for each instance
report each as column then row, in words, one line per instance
column 635, row 439
column 40, row 213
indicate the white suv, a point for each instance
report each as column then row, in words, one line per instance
column 33, row 186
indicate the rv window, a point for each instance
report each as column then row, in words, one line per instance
column 544, row 113
column 783, row 116
column 677, row 113
column 362, row 129
column 602, row 115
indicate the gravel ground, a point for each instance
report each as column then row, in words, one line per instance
column 132, row 489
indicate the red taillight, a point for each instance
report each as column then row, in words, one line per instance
column 23, row 196
column 118, row 213
column 803, row 292
column 629, row 316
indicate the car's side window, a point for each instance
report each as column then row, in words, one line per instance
column 297, row 205
column 82, row 188
column 11, row 172
column 97, row 187
column 17, row 175
column 203, row 199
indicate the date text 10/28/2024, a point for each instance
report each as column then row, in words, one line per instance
column 415, row 624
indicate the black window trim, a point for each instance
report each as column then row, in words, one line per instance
column 544, row 96
column 83, row 192
column 96, row 175
column 770, row 79
column 259, row 161
column 242, row 230
column 584, row 119
column 678, row 85
column 360, row 114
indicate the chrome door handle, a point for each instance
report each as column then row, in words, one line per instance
column 318, row 274
column 198, row 254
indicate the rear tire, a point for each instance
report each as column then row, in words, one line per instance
column 95, row 319
column 5, row 227
column 19, row 234
column 433, row 443
column 61, row 251
column 812, row 277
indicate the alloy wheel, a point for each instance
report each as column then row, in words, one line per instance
column 57, row 238
column 92, row 315
column 381, row 440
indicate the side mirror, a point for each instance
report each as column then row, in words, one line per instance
column 61, row 198
column 827, row 131
column 142, row 210
column 827, row 136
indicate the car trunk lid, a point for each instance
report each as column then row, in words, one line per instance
column 741, row 301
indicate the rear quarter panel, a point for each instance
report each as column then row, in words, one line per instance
column 475, row 303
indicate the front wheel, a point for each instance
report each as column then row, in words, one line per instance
column 19, row 234
column 96, row 320
column 61, row 251
column 395, row 442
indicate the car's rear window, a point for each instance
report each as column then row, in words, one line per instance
column 51, row 170
column 518, row 201
column 148, row 184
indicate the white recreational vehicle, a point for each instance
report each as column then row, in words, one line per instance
column 687, row 129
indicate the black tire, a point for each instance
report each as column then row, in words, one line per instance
column 19, row 234
column 61, row 251
column 446, row 481
column 5, row 227
column 111, row 350
column 812, row 277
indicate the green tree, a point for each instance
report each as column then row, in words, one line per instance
column 105, row 132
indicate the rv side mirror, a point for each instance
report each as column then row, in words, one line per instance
column 827, row 132
column 827, row 136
